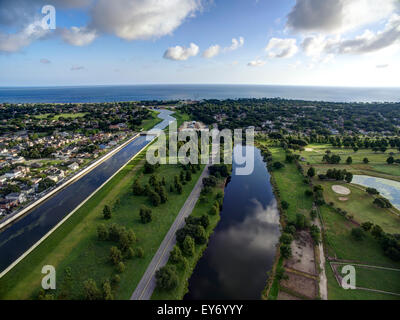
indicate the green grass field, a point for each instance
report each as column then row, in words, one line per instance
column 291, row 186
column 376, row 278
column 184, row 275
column 75, row 243
column 63, row 115
column 360, row 205
column 340, row 244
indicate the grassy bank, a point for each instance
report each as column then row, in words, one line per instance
column 202, row 207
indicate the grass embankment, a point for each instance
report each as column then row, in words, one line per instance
column 151, row 122
column 340, row 244
column 75, row 243
column 201, row 208
column 291, row 186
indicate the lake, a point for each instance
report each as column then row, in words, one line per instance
column 242, row 248
column 388, row 188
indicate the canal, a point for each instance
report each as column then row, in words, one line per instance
column 242, row 249
column 25, row 232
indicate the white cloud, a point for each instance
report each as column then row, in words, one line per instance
column 368, row 42
column 215, row 50
column 141, row 19
column 212, row 52
column 256, row 63
column 14, row 42
column 281, row 48
column 179, row 53
column 337, row 16
column 78, row 36
column 127, row 19
column 236, row 44
column 382, row 66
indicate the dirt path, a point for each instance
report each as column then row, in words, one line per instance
column 323, row 281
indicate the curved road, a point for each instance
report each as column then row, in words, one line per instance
column 147, row 284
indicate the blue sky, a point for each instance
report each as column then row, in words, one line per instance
column 289, row 42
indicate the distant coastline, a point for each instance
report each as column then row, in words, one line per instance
column 112, row 93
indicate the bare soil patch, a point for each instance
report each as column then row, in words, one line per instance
column 303, row 257
column 305, row 286
column 341, row 190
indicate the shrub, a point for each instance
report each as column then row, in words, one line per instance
column 367, row 226
column 286, row 251
column 115, row 255
column 286, row 238
column 121, row 267
column 102, row 232
column 91, row 290
column 145, row 215
column 285, row 205
column 139, row 252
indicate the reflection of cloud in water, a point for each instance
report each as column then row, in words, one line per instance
column 388, row 188
column 252, row 243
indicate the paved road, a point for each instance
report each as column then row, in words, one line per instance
column 147, row 284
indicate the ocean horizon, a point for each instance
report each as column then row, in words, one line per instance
column 114, row 93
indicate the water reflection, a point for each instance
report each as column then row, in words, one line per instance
column 242, row 248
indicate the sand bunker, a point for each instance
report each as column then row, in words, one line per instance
column 309, row 149
column 343, row 199
column 341, row 190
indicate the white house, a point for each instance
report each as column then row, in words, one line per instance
column 73, row 166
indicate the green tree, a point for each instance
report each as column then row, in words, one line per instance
column 145, row 215
column 107, row 212
column 286, row 251
column 115, row 255
column 311, row 172
column 107, row 291
column 367, row 226
column 349, row 160
column 137, row 188
column 365, row 160
column 358, row 234
column 377, row 231
column 390, row 160
column 91, row 290
column 155, row 198
column 121, row 267
column 285, row 205
column 102, row 232
column 166, row 278
column 139, row 252
column 188, row 246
